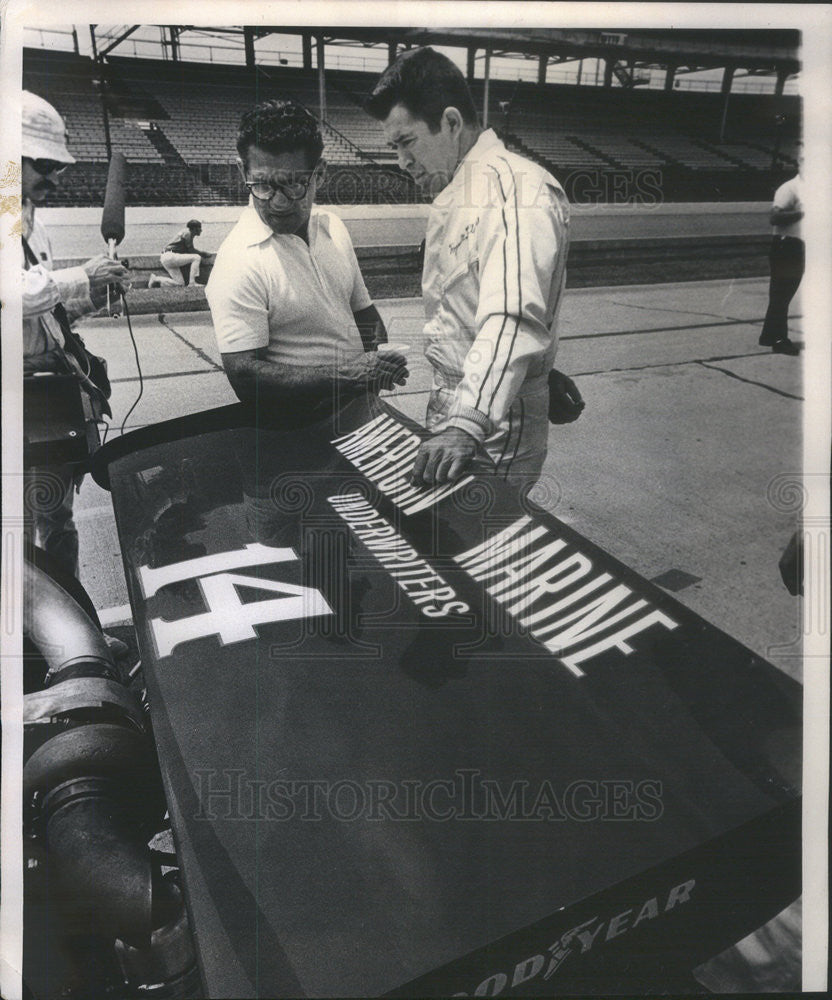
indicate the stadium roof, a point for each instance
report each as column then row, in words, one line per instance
column 748, row 49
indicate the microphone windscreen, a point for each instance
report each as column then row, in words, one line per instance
column 112, row 218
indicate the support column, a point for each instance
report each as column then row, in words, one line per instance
column 75, row 41
column 105, row 115
column 580, row 72
column 174, row 43
column 248, row 43
column 779, row 122
column 782, row 76
column 392, row 48
column 319, row 41
column 542, row 66
column 472, row 54
column 727, row 80
column 669, row 76
column 608, row 64
column 485, row 93
column 306, row 46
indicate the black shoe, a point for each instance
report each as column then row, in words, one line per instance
column 785, row 346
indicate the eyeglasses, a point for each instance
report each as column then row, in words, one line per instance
column 293, row 190
column 47, row 167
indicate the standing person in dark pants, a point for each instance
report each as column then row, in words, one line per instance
column 787, row 258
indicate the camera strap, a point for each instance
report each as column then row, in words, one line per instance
column 75, row 353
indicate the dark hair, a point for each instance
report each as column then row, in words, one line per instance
column 193, row 224
column 426, row 83
column 280, row 126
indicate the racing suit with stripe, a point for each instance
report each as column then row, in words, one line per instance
column 494, row 271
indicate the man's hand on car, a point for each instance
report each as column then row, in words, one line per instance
column 443, row 457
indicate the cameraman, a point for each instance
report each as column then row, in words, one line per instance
column 51, row 301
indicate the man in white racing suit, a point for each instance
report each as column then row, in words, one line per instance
column 494, row 271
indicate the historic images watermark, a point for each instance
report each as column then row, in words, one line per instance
column 803, row 564
column 468, row 795
column 385, row 185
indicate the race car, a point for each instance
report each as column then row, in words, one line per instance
column 393, row 740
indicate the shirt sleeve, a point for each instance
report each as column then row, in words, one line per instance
column 77, row 301
column 522, row 265
column 44, row 289
column 239, row 304
column 787, row 198
column 360, row 298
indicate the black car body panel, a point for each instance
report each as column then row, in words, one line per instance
column 380, row 776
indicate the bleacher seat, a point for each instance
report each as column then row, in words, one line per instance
column 176, row 123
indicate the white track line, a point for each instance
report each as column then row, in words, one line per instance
column 121, row 615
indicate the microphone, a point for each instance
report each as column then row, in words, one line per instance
column 112, row 219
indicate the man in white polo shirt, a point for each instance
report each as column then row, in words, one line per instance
column 293, row 319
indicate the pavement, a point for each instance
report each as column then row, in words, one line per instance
column 676, row 467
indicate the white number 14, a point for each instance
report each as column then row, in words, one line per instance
column 227, row 616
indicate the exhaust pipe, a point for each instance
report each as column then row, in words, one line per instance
column 64, row 634
column 93, row 795
column 167, row 968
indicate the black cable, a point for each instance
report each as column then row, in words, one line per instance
column 138, row 369
column 138, row 364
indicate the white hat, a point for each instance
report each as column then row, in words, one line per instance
column 44, row 132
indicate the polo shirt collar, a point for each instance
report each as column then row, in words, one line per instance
column 256, row 231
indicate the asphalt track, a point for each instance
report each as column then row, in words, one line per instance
column 677, row 466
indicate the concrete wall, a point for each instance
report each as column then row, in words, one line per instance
column 75, row 232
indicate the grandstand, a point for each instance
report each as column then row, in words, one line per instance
column 176, row 124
